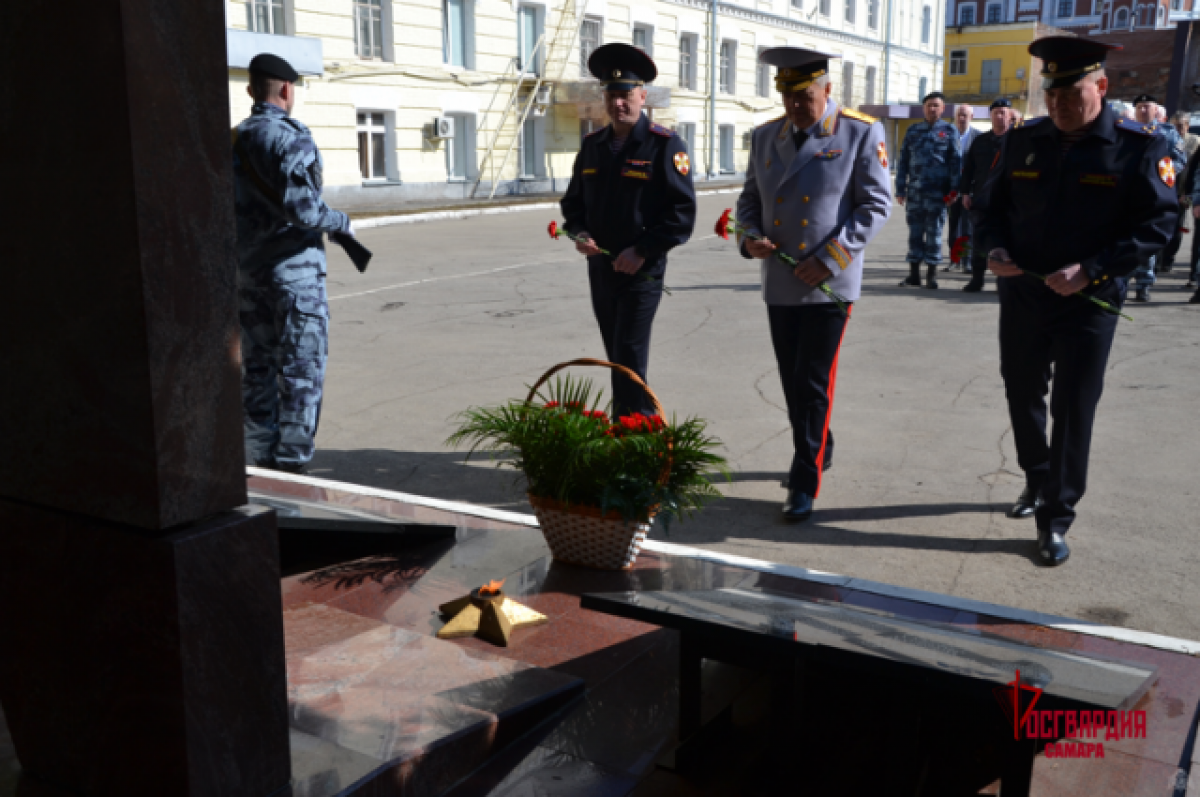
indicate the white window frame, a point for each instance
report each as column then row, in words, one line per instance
column 847, row 84
column 798, row 5
column 539, row 32
column 958, row 62
column 382, row 49
column 999, row 9
column 385, row 129
column 727, row 73
column 851, row 11
column 687, row 65
column 873, row 14
column 869, row 86
column 531, row 129
column 584, row 51
column 1117, row 17
column 687, row 131
column 726, row 134
column 926, row 24
column 762, row 76
column 648, row 31
column 965, row 10
column 922, row 88
column 1176, row 5
column 460, row 150
column 467, row 34
column 284, row 25
column 824, row 7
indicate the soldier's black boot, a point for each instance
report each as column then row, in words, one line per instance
column 930, row 274
column 914, row 276
column 976, row 283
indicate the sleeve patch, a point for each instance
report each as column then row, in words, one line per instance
column 883, row 159
column 1166, row 172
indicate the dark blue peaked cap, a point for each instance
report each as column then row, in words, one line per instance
column 1066, row 59
column 621, row 67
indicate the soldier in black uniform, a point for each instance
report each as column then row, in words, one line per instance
column 631, row 195
column 1079, row 197
column 977, row 163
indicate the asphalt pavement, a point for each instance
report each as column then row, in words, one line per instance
column 456, row 313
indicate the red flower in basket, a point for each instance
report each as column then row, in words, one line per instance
column 722, row 228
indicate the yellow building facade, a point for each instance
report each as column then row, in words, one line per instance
column 455, row 99
column 986, row 62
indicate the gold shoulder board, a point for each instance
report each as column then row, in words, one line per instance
column 862, row 117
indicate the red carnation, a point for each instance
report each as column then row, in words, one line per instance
column 950, row 197
column 722, row 228
column 553, row 230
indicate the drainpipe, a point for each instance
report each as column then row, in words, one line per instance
column 712, row 90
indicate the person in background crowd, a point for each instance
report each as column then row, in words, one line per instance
column 960, row 222
column 1184, row 183
column 1079, row 198
column 976, row 166
column 1147, row 112
column 926, row 181
column 1018, row 118
column 1194, row 276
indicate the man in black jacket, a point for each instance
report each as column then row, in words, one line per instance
column 976, row 165
column 630, row 202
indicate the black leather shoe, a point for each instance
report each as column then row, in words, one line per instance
column 297, row 468
column 1195, row 299
column 930, row 277
column 973, row 286
column 798, row 507
column 1027, row 503
column 1052, row 548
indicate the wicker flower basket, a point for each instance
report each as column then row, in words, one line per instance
column 581, row 534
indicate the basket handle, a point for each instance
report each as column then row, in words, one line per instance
column 637, row 380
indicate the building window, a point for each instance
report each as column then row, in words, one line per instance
column 762, row 77
column 873, row 14
column 460, row 150
column 850, row 9
column 798, row 5
column 847, row 84
column 530, row 159
column 823, row 7
column 368, row 28
column 687, row 131
column 589, row 40
column 529, row 33
column 958, row 62
column 372, row 145
column 870, row 87
column 643, row 39
column 266, row 16
column 458, row 33
column 727, row 165
column 921, row 85
column 729, row 66
column 687, row 61
column 1176, row 5
column 1122, row 18
column 994, row 11
column 926, row 24
column 966, row 15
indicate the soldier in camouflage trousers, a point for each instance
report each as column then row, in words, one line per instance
column 1145, row 113
column 283, row 309
column 926, row 176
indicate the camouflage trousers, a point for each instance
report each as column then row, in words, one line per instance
column 285, row 343
column 926, row 217
column 1145, row 276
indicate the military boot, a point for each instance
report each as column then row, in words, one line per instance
column 914, row 276
column 976, row 283
column 930, row 274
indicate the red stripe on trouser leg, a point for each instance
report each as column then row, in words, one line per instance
column 829, row 409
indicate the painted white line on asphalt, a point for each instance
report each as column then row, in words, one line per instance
column 449, row 277
column 1143, row 638
column 466, row 213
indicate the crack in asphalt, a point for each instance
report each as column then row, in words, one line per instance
column 990, row 481
column 763, row 396
column 963, row 389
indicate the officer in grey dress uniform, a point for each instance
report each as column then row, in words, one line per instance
column 818, row 188
column 284, row 314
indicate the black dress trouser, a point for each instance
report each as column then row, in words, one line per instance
column 807, row 339
column 1043, row 334
column 625, row 306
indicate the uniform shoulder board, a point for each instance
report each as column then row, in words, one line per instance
column 665, row 132
column 1037, row 120
column 1135, row 127
column 773, row 121
column 594, row 132
column 853, row 114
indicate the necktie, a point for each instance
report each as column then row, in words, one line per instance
column 799, row 136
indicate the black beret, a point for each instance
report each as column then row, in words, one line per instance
column 1139, row 99
column 933, row 95
column 1000, row 103
column 1068, row 58
column 273, row 66
column 621, row 67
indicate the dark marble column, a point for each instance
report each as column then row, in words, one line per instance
column 141, row 643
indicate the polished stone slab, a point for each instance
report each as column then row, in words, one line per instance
column 293, row 514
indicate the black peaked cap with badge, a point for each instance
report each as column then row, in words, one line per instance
column 273, row 66
column 621, row 67
column 1066, row 59
column 797, row 67
column 1139, row 99
column 1002, row 102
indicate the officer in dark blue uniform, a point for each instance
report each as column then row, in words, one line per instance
column 631, row 195
column 1080, row 197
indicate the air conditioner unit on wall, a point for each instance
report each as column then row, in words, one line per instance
column 442, row 127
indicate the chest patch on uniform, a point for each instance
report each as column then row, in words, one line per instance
column 640, row 164
column 683, row 163
column 588, row 172
column 1026, row 174
column 883, row 161
column 635, row 172
column 829, row 154
column 1102, row 180
column 1166, row 171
